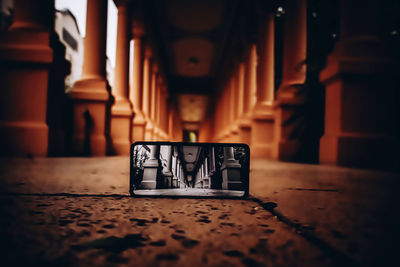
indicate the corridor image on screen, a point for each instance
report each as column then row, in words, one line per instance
column 189, row 170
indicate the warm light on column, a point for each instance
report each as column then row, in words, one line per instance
column 153, row 97
column 121, row 111
column 90, row 95
column 240, row 89
column 265, row 77
column 250, row 81
column 231, row 99
column 146, row 80
column 121, row 82
column 94, row 63
column 263, row 116
column 137, row 77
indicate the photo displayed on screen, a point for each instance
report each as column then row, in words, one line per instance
column 191, row 170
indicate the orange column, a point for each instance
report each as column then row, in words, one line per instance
column 154, row 86
column 25, row 59
column 217, row 119
column 153, row 98
column 163, row 114
column 136, row 95
column 294, row 48
column 290, row 101
column 249, row 95
column 146, row 91
column 240, row 90
column 232, row 99
column 170, row 121
column 251, row 80
column 121, row 111
column 231, row 108
column 146, row 81
column 235, row 105
column 90, row 96
column 226, row 108
column 362, row 100
column 262, row 125
column 158, row 108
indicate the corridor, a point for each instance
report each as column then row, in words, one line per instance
column 296, row 80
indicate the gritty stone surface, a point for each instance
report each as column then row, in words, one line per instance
column 77, row 212
column 349, row 210
column 98, row 230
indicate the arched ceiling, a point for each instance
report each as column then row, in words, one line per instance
column 190, row 156
column 192, row 39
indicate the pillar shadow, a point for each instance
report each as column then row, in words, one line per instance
column 57, row 110
column 87, row 149
column 107, row 130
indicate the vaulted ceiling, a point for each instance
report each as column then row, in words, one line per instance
column 192, row 36
column 190, row 156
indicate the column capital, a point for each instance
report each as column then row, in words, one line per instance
column 155, row 68
column 148, row 51
column 138, row 30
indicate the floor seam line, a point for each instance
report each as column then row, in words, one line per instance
column 337, row 256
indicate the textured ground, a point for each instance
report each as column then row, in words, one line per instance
column 74, row 211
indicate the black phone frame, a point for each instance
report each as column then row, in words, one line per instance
column 246, row 168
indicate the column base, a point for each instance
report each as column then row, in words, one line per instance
column 25, row 59
column 231, row 176
column 206, row 182
column 361, row 105
column 138, row 127
column 362, row 151
column 262, row 131
column 96, row 145
column 292, row 142
column 121, row 126
column 175, row 183
column 148, row 135
column 167, row 179
column 90, row 101
column 23, row 138
column 156, row 134
column 245, row 131
column 150, row 174
column 234, row 133
column 225, row 137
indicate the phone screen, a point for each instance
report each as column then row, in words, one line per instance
column 189, row 169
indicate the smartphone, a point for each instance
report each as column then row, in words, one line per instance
column 189, row 169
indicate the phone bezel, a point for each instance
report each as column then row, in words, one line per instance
column 246, row 168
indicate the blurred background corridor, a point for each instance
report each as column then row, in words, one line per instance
column 301, row 81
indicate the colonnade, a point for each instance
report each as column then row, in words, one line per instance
column 203, row 176
column 92, row 118
column 358, row 115
column 26, row 58
column 281, row 122
column 140, row 105
column 163, row 169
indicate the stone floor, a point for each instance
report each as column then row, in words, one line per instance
column 77, row 211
